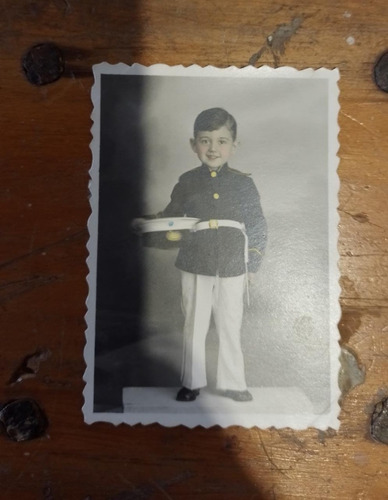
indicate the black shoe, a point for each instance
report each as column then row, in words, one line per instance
column 185, row 394
column 238, row 395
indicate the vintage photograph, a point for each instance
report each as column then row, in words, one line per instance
column 213, row 279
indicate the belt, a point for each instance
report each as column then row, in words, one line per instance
column 215, row 224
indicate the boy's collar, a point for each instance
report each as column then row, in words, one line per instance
column 218, row 170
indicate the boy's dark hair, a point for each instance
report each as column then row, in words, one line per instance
column 213, row 119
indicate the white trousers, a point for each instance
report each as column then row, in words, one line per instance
column 225, row 297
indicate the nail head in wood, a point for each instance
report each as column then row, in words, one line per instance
column 381, row 72
column 23, row 419
column 379, row 422
column 43, row 64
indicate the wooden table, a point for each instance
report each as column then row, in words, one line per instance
column 45, row 159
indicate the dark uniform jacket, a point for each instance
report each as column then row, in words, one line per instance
column 230, row 195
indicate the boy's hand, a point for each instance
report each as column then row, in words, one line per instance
column 136, row 224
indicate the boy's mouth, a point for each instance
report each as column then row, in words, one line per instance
column 211, row 157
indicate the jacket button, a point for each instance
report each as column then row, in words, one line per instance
column 213, row 173
column 216, row 196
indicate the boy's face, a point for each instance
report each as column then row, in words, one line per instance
column 214, row 148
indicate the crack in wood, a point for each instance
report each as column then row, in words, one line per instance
column 36, row 251
column 14, row 289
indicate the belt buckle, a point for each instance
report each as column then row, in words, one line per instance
column 213, row 224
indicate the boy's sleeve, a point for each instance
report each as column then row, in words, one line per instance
column 174, row 209
column 255, row 225
column 176, row 206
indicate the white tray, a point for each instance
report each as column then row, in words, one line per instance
column 168, row 224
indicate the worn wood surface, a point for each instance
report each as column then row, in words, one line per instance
column 45, row 157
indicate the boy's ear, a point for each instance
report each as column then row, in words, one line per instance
column 192, row 144
column 235, row 146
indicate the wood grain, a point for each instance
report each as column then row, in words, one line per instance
column 45, row 159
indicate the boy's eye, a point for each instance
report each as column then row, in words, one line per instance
column 204, row 141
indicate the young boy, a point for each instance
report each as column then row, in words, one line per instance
column 215, row 257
